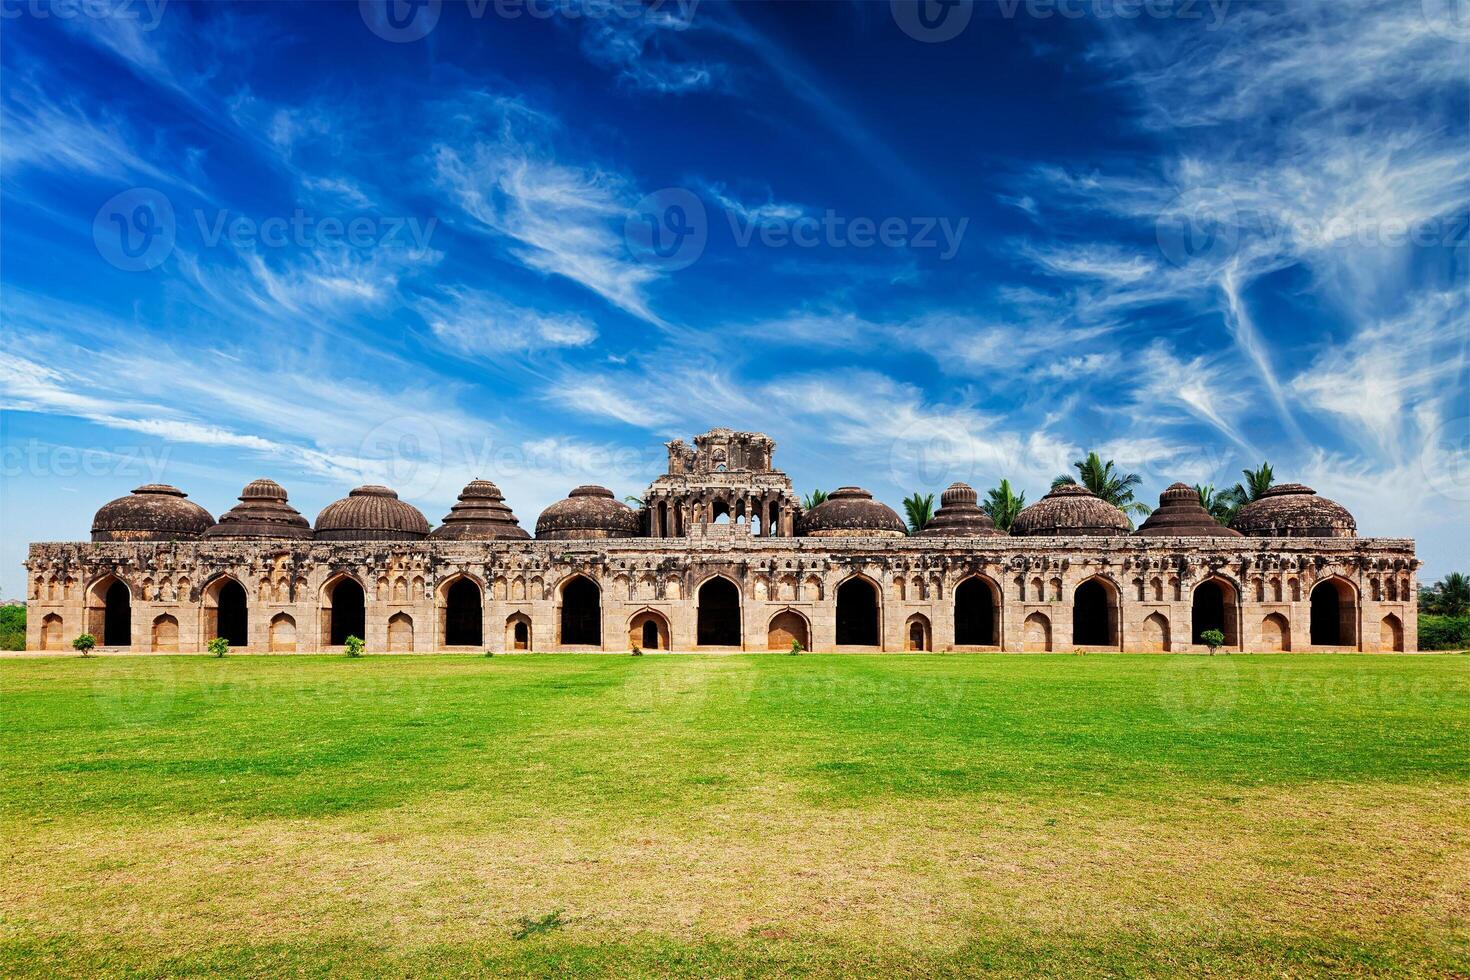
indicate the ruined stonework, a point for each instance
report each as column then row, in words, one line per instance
column 754, row 583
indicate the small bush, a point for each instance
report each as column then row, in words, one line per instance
column 1213, row 639
column 219, row 646
column 636, row 651
column 795, row 648
column 353, row 645
column 1444, row 632
column 84, row 644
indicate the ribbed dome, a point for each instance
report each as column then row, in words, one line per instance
column 1070, row 511
column 371, row 513
column 588, row 512
column 1181, row 515
column 1292, row 510
column 960, row 516
column 261, row 513
column 153, row 512
column 480, row 515
column 851, row 512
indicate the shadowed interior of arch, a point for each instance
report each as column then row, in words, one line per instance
column 857, row 613
column 719, row 614
column 347, row 612
column 1091, row 615
column 581, row 613
column 974, row 614
column 463, row 625
column 232, row 618
column 117, row 618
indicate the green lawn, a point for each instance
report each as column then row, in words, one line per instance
column 736, row 815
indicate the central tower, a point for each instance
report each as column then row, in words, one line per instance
column 726, row 474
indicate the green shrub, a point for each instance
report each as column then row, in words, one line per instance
column 1444, row 632
column 84, row 644
column 12, row 627
column 795, row 647
column 354, row 646
column 1213, row 639
column 636, row 650
column 219, row 646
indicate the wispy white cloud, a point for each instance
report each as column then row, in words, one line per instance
column 480, row 324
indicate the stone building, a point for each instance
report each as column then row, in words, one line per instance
column 721, row 556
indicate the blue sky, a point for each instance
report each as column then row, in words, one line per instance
column 331, row 244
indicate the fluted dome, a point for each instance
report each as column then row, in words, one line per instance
column 480, row 515
column 1070, row 511
column 371, row 513
column 1181, row 515
column 153, row 512
column 261, row 513
column 960, row 516
column 1292, row 510
column 851, row 512
column 588, row 512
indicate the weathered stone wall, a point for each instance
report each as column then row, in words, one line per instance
column 1150, row 584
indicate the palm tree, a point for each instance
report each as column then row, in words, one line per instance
column 1002, row 504
column 919, row 509
column 1221, row 505
column 1257, row 482
column 1114, row 487
column 812, row 499
column 1450, row 596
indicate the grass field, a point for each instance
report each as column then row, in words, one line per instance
column 737, row 815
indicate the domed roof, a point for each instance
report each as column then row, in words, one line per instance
column 1181, row 515
column 1292, row 510
column 588, row 512
column 851, row 512
column 480, row 515
column 261, row 513
column 960, row 516
column 371, row 513
column 1070, row 511
column 153, row 512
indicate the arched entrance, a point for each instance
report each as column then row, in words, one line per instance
column 1391, row 634
column 400, row 633
column 463, row 621
column 648, row 630
column 117, row 616
column 518, row 632
column 165, row 634
column 1275, row 633
column 974, row 613
column 787, row 627
column 1213, row 608
column 1334, row 614
column 916, row 633
column 226, row 613
column 283, row 634
column 1156, row 633
column 857, row 613
column 1094, row 615
column 346, row 611
column 719, row 614
column 51, row 632
column 1037, row 632
column 581, row 612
